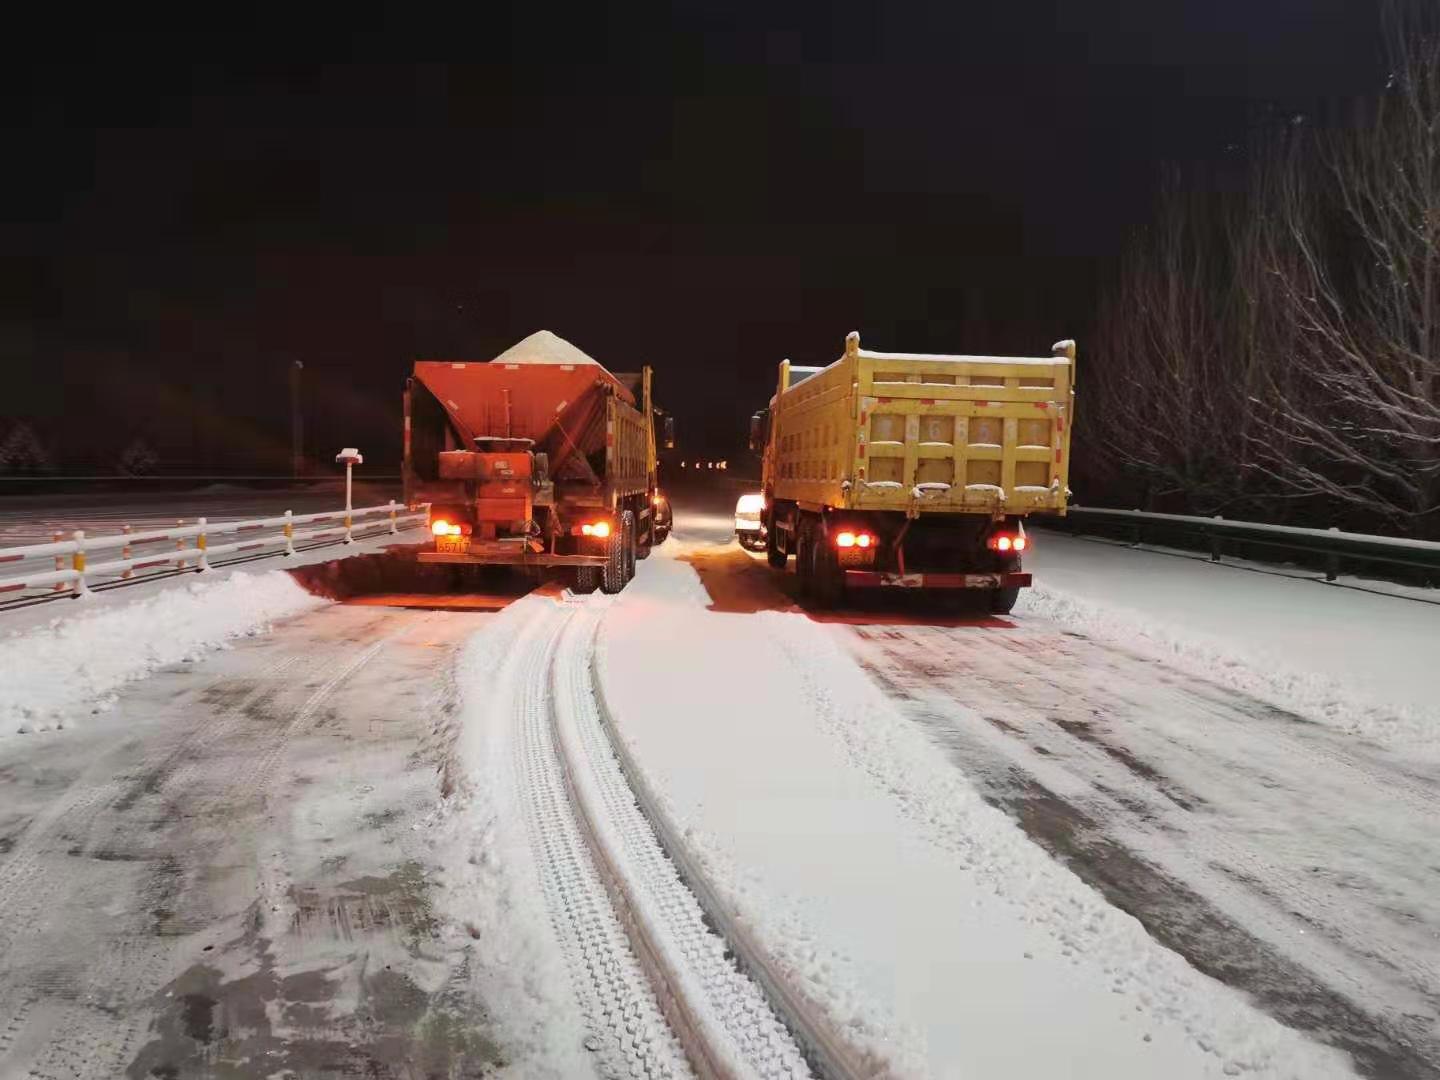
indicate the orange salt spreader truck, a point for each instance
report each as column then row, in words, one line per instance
column 540, row 458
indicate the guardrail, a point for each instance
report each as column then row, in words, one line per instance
column 193, row 547
column 1329, row 549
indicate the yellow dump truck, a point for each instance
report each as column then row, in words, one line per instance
column 914, row 470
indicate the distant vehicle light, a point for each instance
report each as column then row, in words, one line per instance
column 752, row 503
column 597, row 529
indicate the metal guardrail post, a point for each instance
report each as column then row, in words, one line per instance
column 289, row 532
column 59, row 586
column 77, row 563
column 201, row 563
column 1332, row 560
column 126, row 553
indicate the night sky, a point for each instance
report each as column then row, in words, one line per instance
column 186, row 212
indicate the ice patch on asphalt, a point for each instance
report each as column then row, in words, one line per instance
column 60, row 672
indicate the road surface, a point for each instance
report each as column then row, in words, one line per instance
column 221, row 878
column 389, row 837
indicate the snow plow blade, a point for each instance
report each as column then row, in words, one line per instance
column 878, row 579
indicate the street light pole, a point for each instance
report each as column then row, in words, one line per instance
column 297, row 432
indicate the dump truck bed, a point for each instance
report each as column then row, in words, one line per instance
column 924, row 433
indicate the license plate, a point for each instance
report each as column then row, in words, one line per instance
column 853, row 556
column 452, row 545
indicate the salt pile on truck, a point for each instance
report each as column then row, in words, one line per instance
column 538, row 458
column 914, row 470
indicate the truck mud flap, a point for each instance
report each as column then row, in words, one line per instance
column 876, row 579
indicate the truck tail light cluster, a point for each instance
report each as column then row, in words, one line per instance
column 849, row 539
column 1007, row 542
column 441, row 527
column 597, row 529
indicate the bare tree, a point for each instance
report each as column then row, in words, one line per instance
column 1165, row 402
column 137, row 459
column 21, row 451
column 1357, row 267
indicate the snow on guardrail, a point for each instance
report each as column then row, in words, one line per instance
column 1331, row 544
column 72, row 569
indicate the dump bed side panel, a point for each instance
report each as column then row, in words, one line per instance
column 627, row 450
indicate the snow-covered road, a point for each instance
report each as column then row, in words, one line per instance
column 222, row 874
column 1273, row 853
column 1289, row 856
column 1085, row 840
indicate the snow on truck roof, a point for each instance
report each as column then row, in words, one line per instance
column 1037, row 361
column 544, row 347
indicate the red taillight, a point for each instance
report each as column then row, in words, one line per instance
column 848, row 539
column 597, row 529
column 864, row 540
column 845, row 539
column 440, row 528
column 1007, row 542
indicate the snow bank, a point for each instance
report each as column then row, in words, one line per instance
column 72, row 666
column 926, row 924
column 1353, row 660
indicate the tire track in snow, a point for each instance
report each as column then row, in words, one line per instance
column 627, row 1030
column 724, row 1017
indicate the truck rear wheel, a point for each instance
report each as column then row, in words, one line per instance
column 1003, row 600
column 774, row 554
column 804, row 564
column 828, row 585
column 586, row 579
column 628, row 531
column 612, row 574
